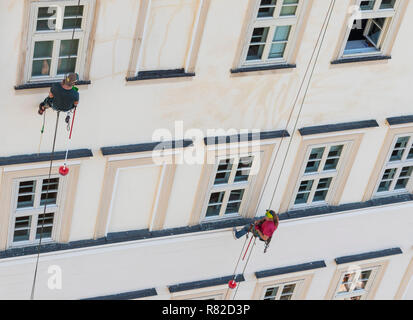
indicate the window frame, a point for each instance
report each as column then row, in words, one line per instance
column 34, row 36
column 363, row 293
column 35, row 211
column 246, row 186
column 320, row 174
column 385, row 37
column 398, row 165
column 271, row 22
column 296, row 292
column 379, row 264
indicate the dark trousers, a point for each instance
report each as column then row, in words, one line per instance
column 245, row 230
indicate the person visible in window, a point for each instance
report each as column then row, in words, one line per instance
column 62, row 96
column 263, row 228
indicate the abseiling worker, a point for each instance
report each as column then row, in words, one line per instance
column 62, row 96
column 263, row 228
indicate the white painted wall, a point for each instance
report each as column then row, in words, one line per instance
column 134, row 198
column 114, row 112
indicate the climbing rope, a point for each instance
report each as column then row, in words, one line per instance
column 315, row 53
column 45, row 206
column 51, row 164
column 63, row 170
column 234, row 274
column 246, row 263
column 320, row 41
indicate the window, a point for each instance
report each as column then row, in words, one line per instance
column 270, row 37
column 28, row 217
column 318, row 174
column 369, row 30
column 397, row 172
column 52, row 51
column 284, row 291
column 355, row 285
column 231, row 180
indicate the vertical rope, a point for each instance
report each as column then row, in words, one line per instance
column 45, row 206
column 50, row 172
column 320, row 38
column 245, row 266
column 236, row 265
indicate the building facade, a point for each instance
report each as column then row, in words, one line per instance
column 196, row 116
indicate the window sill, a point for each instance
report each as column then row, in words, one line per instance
column 264, row 68
column 160, row 74
column 35, row 85
column 360, row 59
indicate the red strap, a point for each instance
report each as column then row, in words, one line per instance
column 71, row 127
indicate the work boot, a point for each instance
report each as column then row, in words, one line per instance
column 233, row 233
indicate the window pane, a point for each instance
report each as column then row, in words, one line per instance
column 22, row 229
column 41, row 67
column 333, row 157
column 234, row 202
column 50, row 184
column 43, row 49
column 25, row 197
column 399, row 148
column 73, row 17
column 46, row 19
column 277, row 50
column 73, row 11
column 49, row 197
column 410, row 155
column 357, row 41
column 258, row 39
column 346, row 282
column 404, row 177
column 47, row 12
column 386, row 180
column 303, row 192
column 215, row 202
column 387, row 4
column 314, row 160
column 271, row 293
column 46, row 25
column 42, row 58
column 44, row 225
column 68, row 48
column 222, row 177
column 367, row 5
column 288, row 289
column 376, row 30
column 66, row 65
column 223, row 171
column 266, row 8
column 282, row 33
column 243, row 170
column 322, row 189
column 289, row 8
